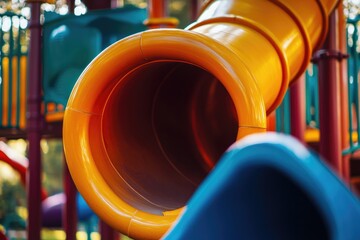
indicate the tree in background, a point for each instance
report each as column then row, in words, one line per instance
column 12, row 196
column 53, row 160
column 12, row 191
column 351, row 8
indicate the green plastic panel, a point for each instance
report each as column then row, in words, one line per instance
column 312, row 96
column 283, row 115
column 71, row 42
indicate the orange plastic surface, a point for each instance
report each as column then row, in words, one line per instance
column 169, row 142
column 151, row 115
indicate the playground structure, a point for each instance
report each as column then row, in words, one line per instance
column 215, row 100
column 234, row 52
column 91, row 33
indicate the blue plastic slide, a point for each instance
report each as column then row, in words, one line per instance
column 269, row 186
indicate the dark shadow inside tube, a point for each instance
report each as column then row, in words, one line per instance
column 165, row 125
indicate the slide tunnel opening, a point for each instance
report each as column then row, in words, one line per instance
column 164, row 127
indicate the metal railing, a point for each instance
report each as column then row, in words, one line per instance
column 13, row 59
column 312, row 92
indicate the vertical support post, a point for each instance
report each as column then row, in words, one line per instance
column 297, row 108
column 158, row 15
column 34, row 124
column 195, row 8
column 344, row 95
column 329, row 96
column 271, row 122
column 157, row 9
column 107, row 233
column 70, row 218
column 98, row 4
column 71, row 5
column 114, row 3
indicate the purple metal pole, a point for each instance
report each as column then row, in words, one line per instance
column 297, row 108
column 70, row 218
column 114, row 3
column 98, row 4
column 194, row 9
column 71, row 5
column 344, row 95
column 329, row 96
column 34, row 124
column 108, row 233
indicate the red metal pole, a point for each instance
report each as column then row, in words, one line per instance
column 71, row 5
column 329, row 96
column 158, row 15
column 34, row 124
column 271, row 122
column 195, row 8
column 70, row 218
column 108, row 233
column 344, row 95
column 114, row 3
column 98, row 4
column 157, row 9
column 297, row 108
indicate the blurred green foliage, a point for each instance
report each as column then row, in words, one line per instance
column 52, row 159
column 12, row 195
column 180, row 9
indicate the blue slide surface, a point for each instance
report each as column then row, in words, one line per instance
column 269, row 186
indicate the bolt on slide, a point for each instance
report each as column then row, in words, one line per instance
column 151, row 115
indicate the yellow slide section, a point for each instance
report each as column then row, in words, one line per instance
column 151, row 115
column 14, row 112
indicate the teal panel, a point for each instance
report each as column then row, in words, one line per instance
column 283, row 120
column 71, row 42
column 312, row 96
column 67, row 51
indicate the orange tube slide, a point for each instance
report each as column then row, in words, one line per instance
column 151, row 115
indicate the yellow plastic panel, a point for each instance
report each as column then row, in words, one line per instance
column 23, row 71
